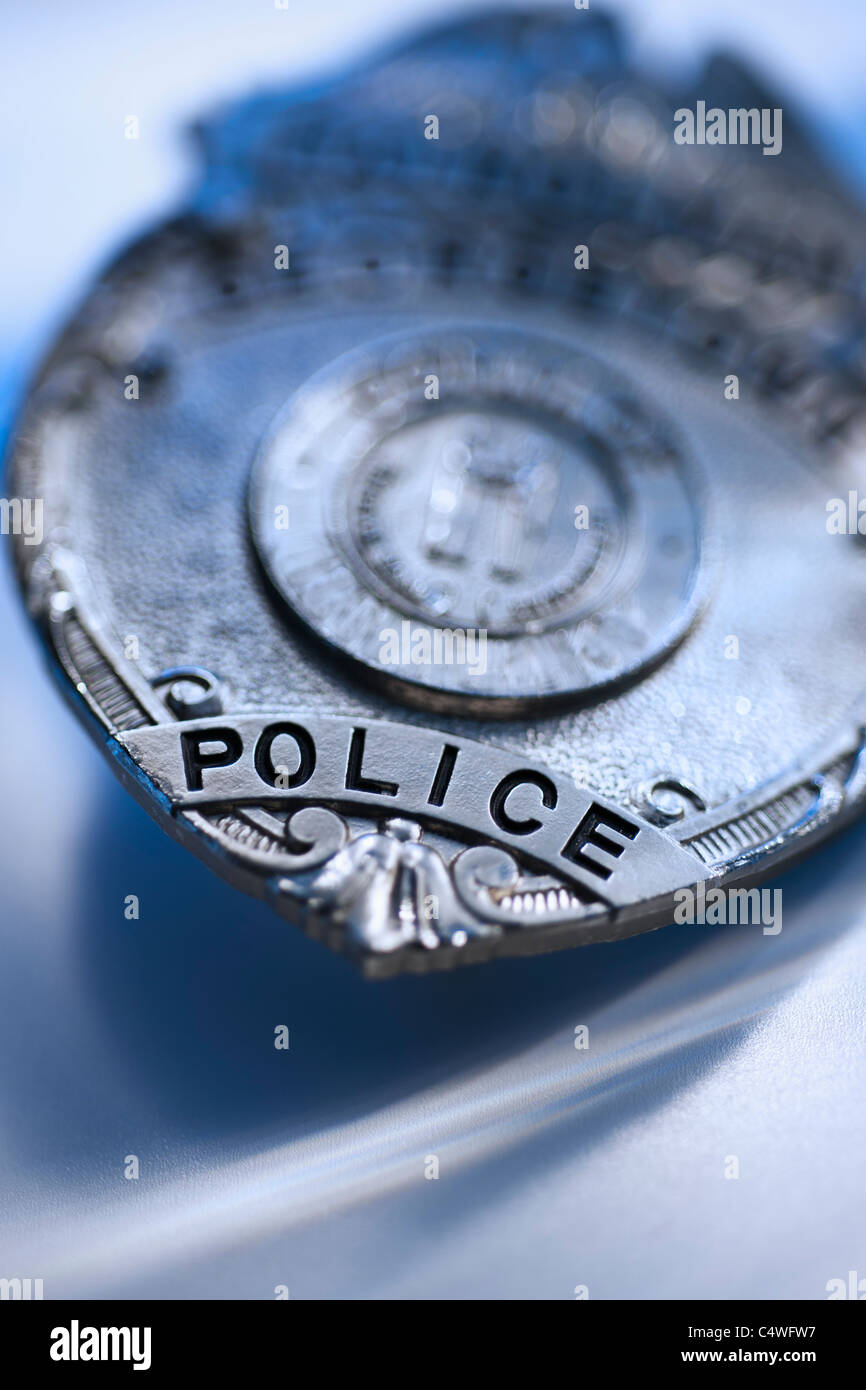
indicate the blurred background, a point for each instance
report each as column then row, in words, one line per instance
column 558, row 1168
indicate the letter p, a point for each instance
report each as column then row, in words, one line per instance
column 225, row 747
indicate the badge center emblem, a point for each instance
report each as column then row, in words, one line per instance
column 438, row 492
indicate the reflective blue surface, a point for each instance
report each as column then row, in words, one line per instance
column 557, row 1167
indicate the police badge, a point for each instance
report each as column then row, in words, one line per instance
column 437, row 512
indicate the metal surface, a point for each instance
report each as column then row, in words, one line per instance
column 415, row 514
column 611, row 752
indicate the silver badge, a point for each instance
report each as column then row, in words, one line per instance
column 437, row 515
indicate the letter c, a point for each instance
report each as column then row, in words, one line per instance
column 506, row 787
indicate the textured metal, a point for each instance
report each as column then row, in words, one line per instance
column 232, row 542
column 416, row 517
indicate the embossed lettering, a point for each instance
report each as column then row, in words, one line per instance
column 355, row 779
column 306, row 752
column 193, row 742
column 442, row 780
column 588, row 833
column 504, row 790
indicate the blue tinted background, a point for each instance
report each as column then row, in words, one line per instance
column 155, row 1038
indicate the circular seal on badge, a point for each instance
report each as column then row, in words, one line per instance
column 483, row 514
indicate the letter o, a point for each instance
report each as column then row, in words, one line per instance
column 306, row 749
